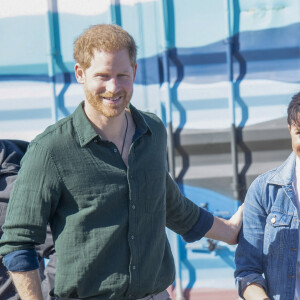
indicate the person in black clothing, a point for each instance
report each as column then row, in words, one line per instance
column 11, row 153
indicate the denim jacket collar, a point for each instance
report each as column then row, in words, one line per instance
column 285, row 173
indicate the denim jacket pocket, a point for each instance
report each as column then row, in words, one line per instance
column 279, row 219
column 277, row 234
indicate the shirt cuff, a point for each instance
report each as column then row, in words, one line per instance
column 243, row 282
column 21, row 260
column 202, row 226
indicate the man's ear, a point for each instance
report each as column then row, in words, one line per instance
column 134, row 72
column 79, row 73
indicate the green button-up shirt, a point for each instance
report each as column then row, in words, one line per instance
column 108, row 220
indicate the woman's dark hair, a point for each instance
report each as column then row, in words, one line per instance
column 294, row 110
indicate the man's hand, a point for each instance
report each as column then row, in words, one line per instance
column 227, row 230
column 27, row 284
column 236, row 222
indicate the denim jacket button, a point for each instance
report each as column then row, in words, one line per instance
column 273, row 220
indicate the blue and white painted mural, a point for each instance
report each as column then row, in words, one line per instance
column 36, row 50
column 202, row 65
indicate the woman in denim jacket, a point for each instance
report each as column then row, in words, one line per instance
column 267, row 257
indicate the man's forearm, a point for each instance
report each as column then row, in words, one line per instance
column 255, row 292
column 222, row 231
column 227, row 230
column 27, row 284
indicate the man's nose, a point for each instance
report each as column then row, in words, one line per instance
column 112, row 85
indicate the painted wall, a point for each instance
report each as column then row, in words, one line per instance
column 37, row 80
column 266, row 56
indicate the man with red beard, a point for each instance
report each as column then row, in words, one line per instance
column 100, row 178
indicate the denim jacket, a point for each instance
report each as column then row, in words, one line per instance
column 268, row 242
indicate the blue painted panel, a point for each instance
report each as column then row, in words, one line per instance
column 30, row 114
column 217, row 203
column 23, row 40
column 222, row 103
column 199, row 23
column 142, row 22
column 71, row 26
column 261, row 55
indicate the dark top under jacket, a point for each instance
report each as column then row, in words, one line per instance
column 11, row 153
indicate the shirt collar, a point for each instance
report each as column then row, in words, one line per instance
column 284, row 175
column 83, row 126
column 142, row 126
column 86, row 133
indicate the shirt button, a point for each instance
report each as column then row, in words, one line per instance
column 95, row 141
column 132, row 237
column 133, row 268
column 130, row 176
column 115, row 150
column 133, row 206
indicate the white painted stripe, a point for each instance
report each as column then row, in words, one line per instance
column 22, row 89
column 14, row 8
column 23, row 130
column 133, row 2
column 87, row 8
column 248, row 88
column 186, row 91
column 20, row 135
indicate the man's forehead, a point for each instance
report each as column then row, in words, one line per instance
column 109, row 50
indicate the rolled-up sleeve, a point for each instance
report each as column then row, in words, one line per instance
column 182, row 213
column 249, row 253
column 202, row 226
column 21, row 260
column 243, row 282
